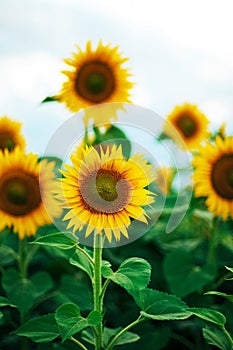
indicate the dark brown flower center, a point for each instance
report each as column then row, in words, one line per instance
column 6, row 141
column 187, row 125
column 19, row 193
column 95, row 82
column 222, row 176
column 105, row 191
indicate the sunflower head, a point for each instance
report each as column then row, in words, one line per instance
column 96, row 76
column 213, row 176
column 22, row 193
column 190, row 123
column 10, row 135
column 103, row 191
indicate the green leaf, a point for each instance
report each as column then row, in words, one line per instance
column 88, row 336
column 94, row 318
column 69, row 320
column 106, row 269
column 184, row 275
column 108, row 334
column 127, row 337
column 78, row 292
column 56, row 252
column 49, row 99
column 42, row 283
column 133, row 274
column 203, row 215
column 220, row 294
column 209, row 315
column 80, row 260
column 5, row 302
column 215, row 336
column 161, row 306
column 5, row 257
column 113, row 135
column 162, row 136
column 40, row 329
column 21, row 292
column 1, row 315
column 58, row 239
column 231, row 270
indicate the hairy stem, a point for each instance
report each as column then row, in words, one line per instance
column 105, row 286
column 228, row 335
column 97, row 286
column 77, row 342
column 85, row 253
column 118, row 335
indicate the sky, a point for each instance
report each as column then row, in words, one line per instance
column 179, row 51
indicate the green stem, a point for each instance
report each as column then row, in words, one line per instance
column 228, row 335
column 32, row 250
column 78, row 343
column 105, row 286
column 22, row 259
column 10, row 251
column 221, row 280
column 211, row 258
column 85, row 253
column 22, row 256
column 118, row 335
column 97, row 285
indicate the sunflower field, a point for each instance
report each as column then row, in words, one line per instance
column 119, row 236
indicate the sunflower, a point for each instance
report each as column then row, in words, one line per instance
column 103, row 191
column 10, row 135
column 213, row 176
column 96, row 77
column 190, row 123
column 22, row 192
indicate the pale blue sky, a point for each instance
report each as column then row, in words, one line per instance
column 179, row 51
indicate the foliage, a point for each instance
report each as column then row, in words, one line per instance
column 162, row 291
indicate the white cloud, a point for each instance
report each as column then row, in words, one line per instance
column 215, row 71
column 218, row 111
column 204, row 26
column 28, row 76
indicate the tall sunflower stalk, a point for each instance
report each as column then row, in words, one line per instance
column 101, row 192
column 97, row 287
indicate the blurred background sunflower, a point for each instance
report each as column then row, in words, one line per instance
column 10, row 134
column 213, row 176
column 96, row 76
column 22, row 193
column 190, row 123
